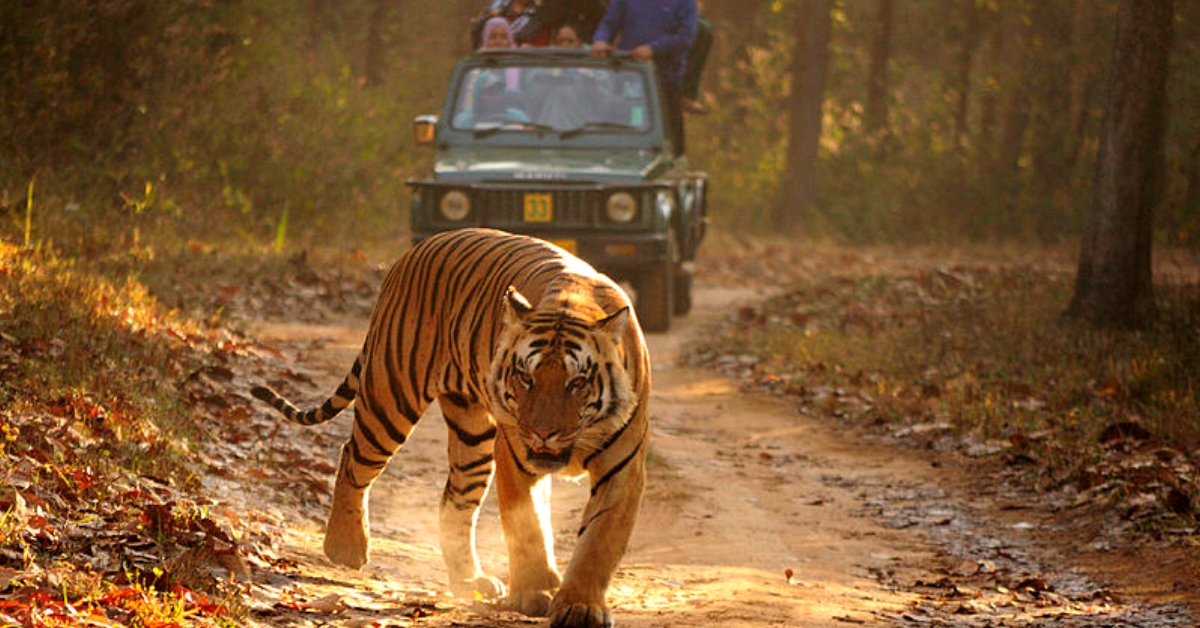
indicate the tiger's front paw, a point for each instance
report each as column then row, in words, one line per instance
column 347, row 545
column 531, row 602
column 481, row 586
column 352, row 553
column 580, row 615
column 347, row 537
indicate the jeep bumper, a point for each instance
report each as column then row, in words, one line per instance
column 616, row 254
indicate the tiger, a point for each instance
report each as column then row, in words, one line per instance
column 540, row 367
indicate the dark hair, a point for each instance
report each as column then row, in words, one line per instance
column 571, row 24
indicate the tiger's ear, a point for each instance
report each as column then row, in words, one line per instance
column 614, row 324
column 516, row 307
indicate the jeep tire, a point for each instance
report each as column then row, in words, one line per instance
column 683, row 293
column 655, row 290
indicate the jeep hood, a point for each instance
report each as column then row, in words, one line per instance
column 549, row 164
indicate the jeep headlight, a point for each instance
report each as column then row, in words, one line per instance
column 455, row 205
column 666, row 204
column 621, row 207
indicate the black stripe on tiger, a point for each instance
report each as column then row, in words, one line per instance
column 469, row 439
column 586, row 524
column 512, row 453
column 599, row 484
column 379, row 448
column 473, row 468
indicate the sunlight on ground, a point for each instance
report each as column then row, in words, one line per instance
column 732, row 596
column 754, row 516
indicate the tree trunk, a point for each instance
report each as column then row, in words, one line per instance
column 1191, row 196
column 1014, row 117
column 962, row 71
column 318, row 20
column 1114, row 287
column 810, row 67
column 985, row 145
column 1050, row 136
column 373, row 64
column 739, row 16
column 877, row 82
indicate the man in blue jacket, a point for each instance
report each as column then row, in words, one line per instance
column 662, row 30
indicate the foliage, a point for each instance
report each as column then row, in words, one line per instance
column 86, row 542
column 745, row 167
column 1018, row 166
column 238, row 114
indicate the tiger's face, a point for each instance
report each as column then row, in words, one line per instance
column 560, row 380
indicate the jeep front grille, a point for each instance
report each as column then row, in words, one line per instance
column 569, row 208
column 525, row 209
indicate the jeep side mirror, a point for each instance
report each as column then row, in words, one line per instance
column 425, row 130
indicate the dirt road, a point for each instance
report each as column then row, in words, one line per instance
column 758, row 513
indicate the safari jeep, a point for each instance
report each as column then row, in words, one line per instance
column 575, row 150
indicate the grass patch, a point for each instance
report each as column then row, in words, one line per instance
column 122, row 403
column 98, row 351
column 98, row 444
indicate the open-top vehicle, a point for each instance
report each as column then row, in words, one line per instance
column 576, row 150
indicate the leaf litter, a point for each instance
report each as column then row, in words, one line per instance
column 124, row 542
column 1139, row 490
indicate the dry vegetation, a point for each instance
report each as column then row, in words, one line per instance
column 972, row 353
column 118, row 416
column 121, row 378
column 121, row 365
column 97, row 455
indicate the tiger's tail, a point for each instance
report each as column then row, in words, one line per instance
column 333, row 406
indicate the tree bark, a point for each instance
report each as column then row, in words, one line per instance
column 877, row 82
column 1050, row 136
column 962, row 70
column 1113, row 285
column 739, row 16
column 318, row 20
column 810, row 67
column 985, row 144
column 373, row 63
column 1015, row 108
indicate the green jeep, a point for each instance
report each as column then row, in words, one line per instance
column 575, row 150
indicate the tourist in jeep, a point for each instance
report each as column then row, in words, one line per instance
column 662, row 30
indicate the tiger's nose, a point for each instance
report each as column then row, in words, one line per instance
column 542, row 437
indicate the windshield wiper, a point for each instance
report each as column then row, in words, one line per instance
column 595, row 126
column 511, row 125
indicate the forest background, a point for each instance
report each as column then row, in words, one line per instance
column 285, row 123
column 169, row 170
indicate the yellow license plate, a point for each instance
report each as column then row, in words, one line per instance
column 539, row 207
column 569, row 246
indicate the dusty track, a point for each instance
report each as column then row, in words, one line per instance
column 758, row 513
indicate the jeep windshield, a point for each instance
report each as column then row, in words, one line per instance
column 555, row 100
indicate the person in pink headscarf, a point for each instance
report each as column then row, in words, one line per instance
column 496, row 34
column 523, row 18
